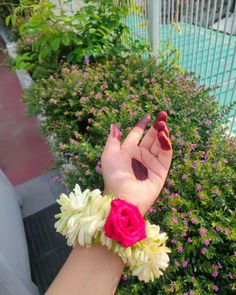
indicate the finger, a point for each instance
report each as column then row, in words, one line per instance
column 149, row 138
column 161, row 126
column 154, row 164
column 151, row 135
column 135, row 135
column 164, row 141
column 113, row 141
column 165, row 150
column 162, row 116
column 156, row 147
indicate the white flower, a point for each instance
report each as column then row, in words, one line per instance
column 82, row 219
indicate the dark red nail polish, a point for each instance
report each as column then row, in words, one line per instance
column 162, row 116
column 164, row 141
column 143, row 122
column 161, row 126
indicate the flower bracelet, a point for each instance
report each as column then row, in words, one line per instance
column 89, row 218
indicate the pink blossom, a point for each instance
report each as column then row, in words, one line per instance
column 189, row 240
column 180, row 249
column 98, row 169
column 169, row 182
column 230, row 275
column 194, row 220
column 177, row 263
column 216, row 191
column 83, row 100
column 203, row 231
column 166, row 190
column 201, row 196
column 218, row 266
column 175, row 219
column 185, row 263
column 203, row 250
column 62, row 146
column 186, row 224
column 199, row 187
column 215, row 274
column 184, row 176
column 77, row 134
column 151, row 209
column 227, row 231
column 72, row 141
column 206, row 242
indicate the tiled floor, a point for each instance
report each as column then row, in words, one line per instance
column 23, row 152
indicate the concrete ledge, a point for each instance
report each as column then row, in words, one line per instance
column 40, row 192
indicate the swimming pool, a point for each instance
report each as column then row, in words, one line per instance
column 200, row 52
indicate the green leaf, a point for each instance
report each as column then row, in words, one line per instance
column 55, row 44
column 66, row 41
column 13, row 20
column 8, row 18
column 92, row 30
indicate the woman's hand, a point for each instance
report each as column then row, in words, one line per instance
column 136, row 168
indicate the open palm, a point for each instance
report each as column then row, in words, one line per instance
column 136, row 168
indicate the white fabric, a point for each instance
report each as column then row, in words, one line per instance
column 15, row 275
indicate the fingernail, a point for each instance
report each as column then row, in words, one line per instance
column 144, row 122
column 161, row 126
column 162, row 116
column 115, row 132
column 164, row 141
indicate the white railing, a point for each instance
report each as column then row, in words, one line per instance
column 204, row 32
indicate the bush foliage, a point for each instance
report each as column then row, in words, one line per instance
column 197, row 205
column 48, row 39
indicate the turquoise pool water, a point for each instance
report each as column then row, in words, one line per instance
column 199, row 48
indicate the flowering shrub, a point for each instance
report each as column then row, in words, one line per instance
column 94, row 32
column 197, row 205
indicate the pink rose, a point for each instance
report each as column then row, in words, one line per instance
column 125, row 224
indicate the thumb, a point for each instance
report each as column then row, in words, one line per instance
column 113, row 141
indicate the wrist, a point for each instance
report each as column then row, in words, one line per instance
column 133, row 199
column 88, row 218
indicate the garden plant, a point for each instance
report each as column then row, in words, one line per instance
column 88, row 76
column 197, row 205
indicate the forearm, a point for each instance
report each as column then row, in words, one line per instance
column 94, row 270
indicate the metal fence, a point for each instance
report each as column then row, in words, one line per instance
column 203, row 31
